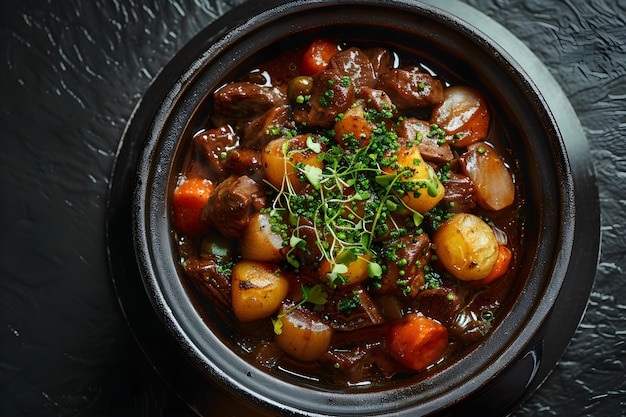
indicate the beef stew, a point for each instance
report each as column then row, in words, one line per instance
column 353, row 213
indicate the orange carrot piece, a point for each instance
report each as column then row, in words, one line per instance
column 317, row 56
column 418, row 341
column 500, row 267
column 189, row 198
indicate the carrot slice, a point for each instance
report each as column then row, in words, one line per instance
column 418, row 341
column 189, row 198
column 499, row 268
column 317, row 56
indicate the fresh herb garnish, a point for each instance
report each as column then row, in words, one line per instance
column 351, row 202
column 346, row 307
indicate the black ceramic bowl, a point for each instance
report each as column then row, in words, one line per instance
column 190, row 344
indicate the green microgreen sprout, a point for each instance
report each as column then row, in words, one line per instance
column 312, row 145
column 350, row 202
column 313, row 174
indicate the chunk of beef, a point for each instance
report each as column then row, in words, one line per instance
column 209, row 281
column 329, row 97
column 353, row 309
column 232, row 203
column 213, row 144
column 375, row 99
column 432, row 151
column 270, row 125
column 460, row 190
column 410, row 90
column 246, row 100
column 361, row 355
column 440, row 304
column 356, row 65
column 412, row 254
column 277, row 71
column 246, row 161
column 380, row 58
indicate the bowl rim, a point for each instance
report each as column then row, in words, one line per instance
column 162, row 299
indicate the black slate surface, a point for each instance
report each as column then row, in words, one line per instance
column 72, row 73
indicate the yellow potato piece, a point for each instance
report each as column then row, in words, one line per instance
column 304, row 336
column 426, row 194
column 258, row 289
column 466, row 246
column 426, row 188
column 280, row 156
column 357, row 270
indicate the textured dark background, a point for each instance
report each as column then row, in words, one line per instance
column 71, row 74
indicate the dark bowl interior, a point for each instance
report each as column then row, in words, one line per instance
column 455, row 49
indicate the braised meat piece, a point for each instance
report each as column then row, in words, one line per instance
column 353, row 309
column 246, row 100
column 245, row 161
column 207, row 278
column 440, row 304
column 380, row 58
column 410, row 255
column 356, row 65
column 375, row 99
column 414, row 129
column 270, row 125
column 357, row 356
column 330, row 95
column 460, row 191
column 232, row 203
column 213, row 145
column 411, row 89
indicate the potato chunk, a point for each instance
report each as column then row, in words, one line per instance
column 422, row 189
column 304, row 335
column 281, row 158
column 466, row 246
column 258, row 289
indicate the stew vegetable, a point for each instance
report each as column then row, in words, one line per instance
column 352, row 214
